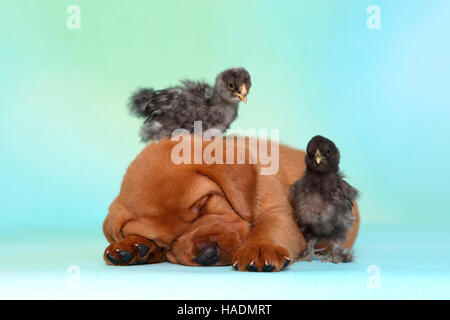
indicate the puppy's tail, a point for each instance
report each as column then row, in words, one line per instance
column 139, row 103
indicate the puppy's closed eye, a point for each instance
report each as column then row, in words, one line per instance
column 197, row 209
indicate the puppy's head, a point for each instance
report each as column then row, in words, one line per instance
column 199, row 213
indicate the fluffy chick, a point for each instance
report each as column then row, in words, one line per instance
column 323, row 201
column 178, row 107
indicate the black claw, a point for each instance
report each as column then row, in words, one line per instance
column 142, row 249
column 125, row 256
column 286, row 263
column 236, row 267
column 268, row 268
column 112, row 259
column 252, row 268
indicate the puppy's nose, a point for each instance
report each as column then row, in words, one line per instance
column 209, row 255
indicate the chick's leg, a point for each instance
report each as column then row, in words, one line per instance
column 337, row 252
column 308, row 254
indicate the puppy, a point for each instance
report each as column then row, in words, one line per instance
column 199, row 214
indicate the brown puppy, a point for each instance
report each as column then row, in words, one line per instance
column 199, row 214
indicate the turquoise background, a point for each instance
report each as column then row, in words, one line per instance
column 66, row 137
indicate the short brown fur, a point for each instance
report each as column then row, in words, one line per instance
column 179, row 208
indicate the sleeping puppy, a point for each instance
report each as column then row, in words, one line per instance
column 199, row 214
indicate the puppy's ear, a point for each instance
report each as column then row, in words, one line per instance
column 238, row 182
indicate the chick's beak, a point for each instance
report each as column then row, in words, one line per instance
column 242, row 93
column 318, row 157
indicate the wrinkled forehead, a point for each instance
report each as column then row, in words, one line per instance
column 186, row 189
column 176, row 188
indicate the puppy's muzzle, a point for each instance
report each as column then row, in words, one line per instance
column 209, row 255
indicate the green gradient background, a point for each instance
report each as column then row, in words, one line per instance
column 382, row 95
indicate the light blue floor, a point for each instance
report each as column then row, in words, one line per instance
column 390, row 264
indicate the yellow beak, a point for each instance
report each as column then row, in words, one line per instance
column 242, row 93
column 318, row 157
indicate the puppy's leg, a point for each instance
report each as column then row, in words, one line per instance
column 132, row 250
column 129, row 248
column 274, row 240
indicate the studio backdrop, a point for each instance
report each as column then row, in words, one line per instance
column 371, row 75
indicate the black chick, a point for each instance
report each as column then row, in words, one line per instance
column 178, row 107
column 323, row 201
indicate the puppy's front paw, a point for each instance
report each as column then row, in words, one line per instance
column 263, row 256
column 133, row 250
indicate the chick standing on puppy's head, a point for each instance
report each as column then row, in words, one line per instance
column 323, row 200
column 178, row 107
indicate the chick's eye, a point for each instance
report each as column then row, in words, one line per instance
column 328, row 152
column 231, row 85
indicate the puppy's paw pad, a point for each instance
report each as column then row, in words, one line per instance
column 116, row 254
column 142, row 249
column 112, row 260
column 125, row 256
column 133, row 250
